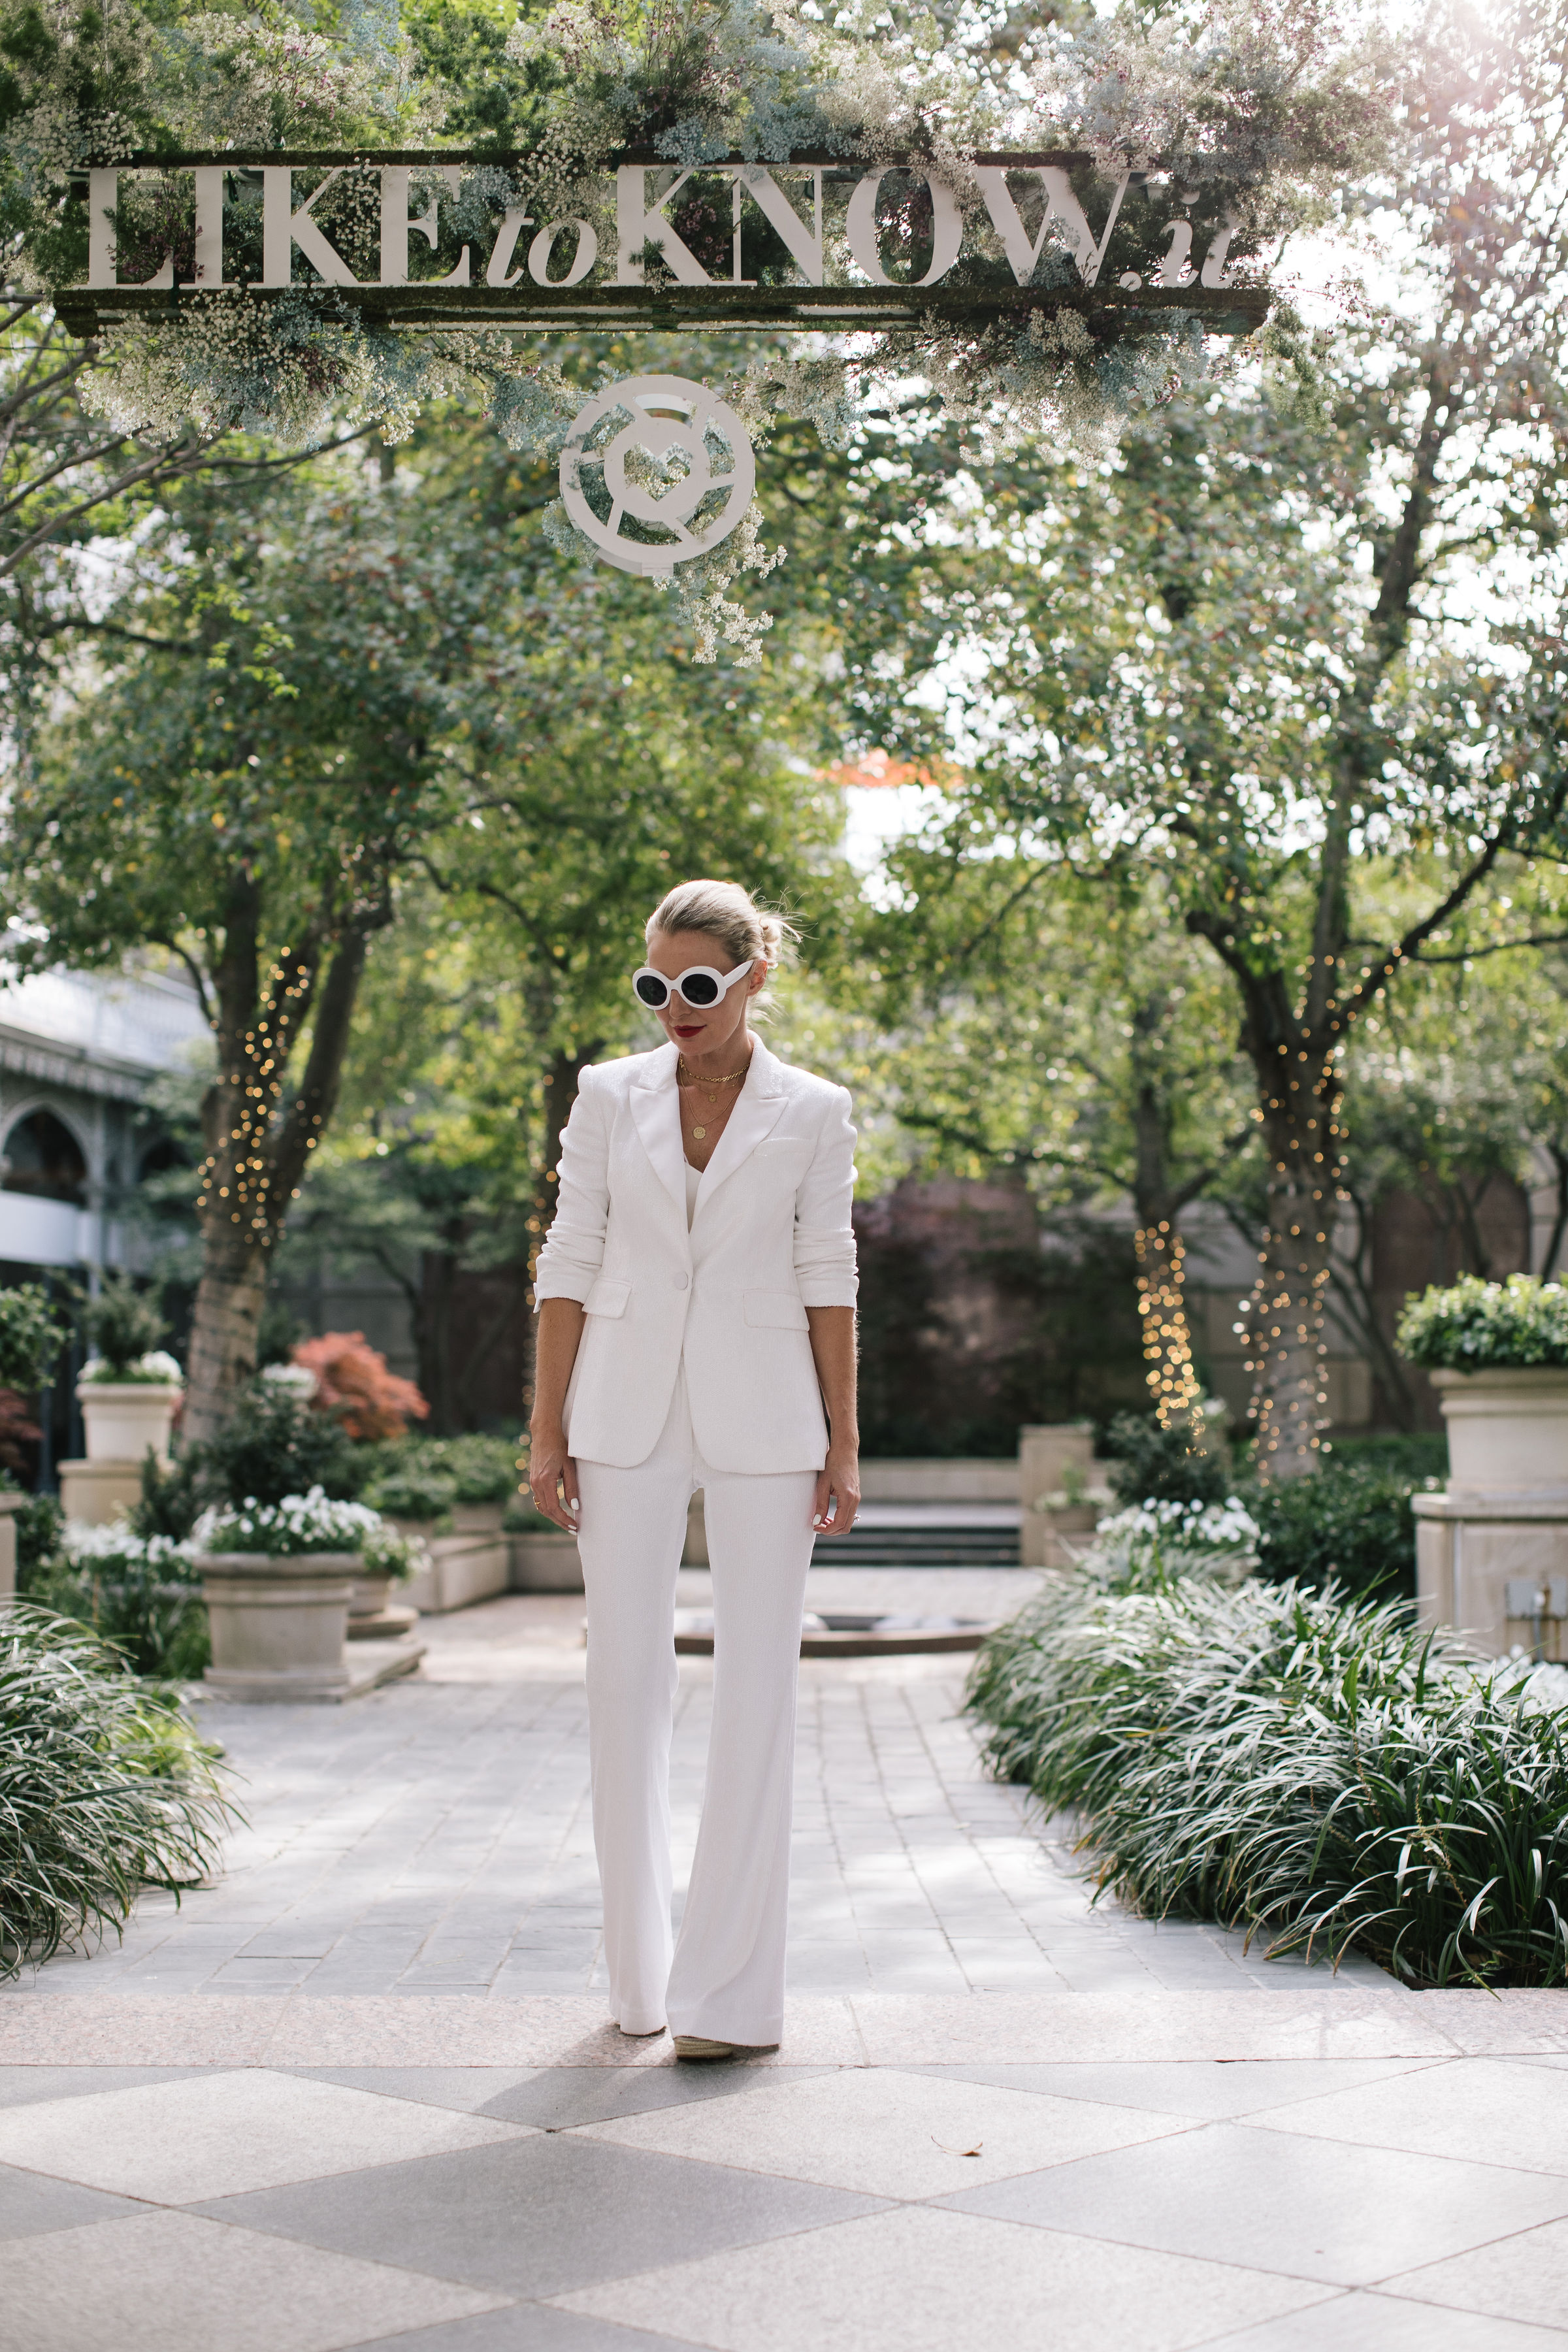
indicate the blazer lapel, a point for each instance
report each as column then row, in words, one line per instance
column 755, row 1115
column 655, row 1107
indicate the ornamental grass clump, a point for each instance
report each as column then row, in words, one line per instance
column 1306, row 1768
column 1478, row 1326
column 105, row 1789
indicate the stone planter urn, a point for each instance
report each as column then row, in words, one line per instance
column 278, row 1624
column 1493, row 1550
column 374, row 1615
column 9, row 1506
column 1508, row 1431
column 467, row 1565
column 369, row 1595
column 123, row 1417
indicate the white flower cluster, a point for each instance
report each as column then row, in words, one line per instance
column 300, row 1523
column 1542, row 1689
column 290, row 1380
column 390, row 1551
column 1174, row 1524
column 1155, row 1540
column 156, row 1368
column 96, row 1546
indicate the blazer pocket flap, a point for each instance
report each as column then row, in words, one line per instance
column 609, row 1296
column 776, row 1310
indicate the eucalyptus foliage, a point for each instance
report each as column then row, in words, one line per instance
column 1478, row 1326
column 1314, row 1770
column 104, row 1790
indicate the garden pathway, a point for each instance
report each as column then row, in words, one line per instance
column 362, row 2090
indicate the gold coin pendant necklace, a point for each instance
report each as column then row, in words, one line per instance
column 684, row 1077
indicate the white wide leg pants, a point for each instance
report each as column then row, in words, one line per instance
column 725, row 1979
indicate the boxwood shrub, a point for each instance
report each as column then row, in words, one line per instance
column 1478, row 1326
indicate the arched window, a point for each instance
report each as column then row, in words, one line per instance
column 43, row 1156
column 159, row 1158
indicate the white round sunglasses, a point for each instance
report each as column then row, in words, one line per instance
column 700, row 985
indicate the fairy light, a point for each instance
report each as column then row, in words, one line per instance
column 245, row 1159
column 1167, row 1340
column 1284, row 1326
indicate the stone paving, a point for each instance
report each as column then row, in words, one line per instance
column 364, row 2091
column 435, row 1837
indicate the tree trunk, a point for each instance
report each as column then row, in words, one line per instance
column 224, row 1326
column 1286, row 1318
column 259, row 1144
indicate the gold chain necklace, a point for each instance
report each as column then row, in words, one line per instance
column 684, row 1077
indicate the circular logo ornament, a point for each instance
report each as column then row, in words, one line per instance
column 667, row 456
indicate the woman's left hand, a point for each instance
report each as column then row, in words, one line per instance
column 838, row 1484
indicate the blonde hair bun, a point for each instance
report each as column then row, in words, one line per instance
column 731, row 917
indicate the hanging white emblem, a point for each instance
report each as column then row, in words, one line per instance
column 666, row 455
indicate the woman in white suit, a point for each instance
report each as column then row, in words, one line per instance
column 697, row 1328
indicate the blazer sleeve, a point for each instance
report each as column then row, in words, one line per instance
column 573, row 1249
column 824, row 1235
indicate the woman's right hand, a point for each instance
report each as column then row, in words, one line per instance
column 553, row 1478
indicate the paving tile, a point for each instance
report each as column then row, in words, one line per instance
column 219, row 2135
column 1232, row 2194
column 885, row 2133
column 173, row 2282
column 558, row 2098
column 542, row 2214
column 25, row 2086
column 532, row 2328
column 31, row 2203
column 1209, row 2090
column 1490, row 2110
column 922, row 2280
column 1376, row 2322
column 469, row 2089
column 1522, row 2277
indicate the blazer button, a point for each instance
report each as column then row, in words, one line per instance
column 682, row 1281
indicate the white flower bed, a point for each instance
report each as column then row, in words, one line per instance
column 1157, row 1539
column 307, row 1523
column 112, row 1544
column 1544, row 1689
column 300, row 1523
column 157, row 1369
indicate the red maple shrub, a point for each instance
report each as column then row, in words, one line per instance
column 353, row 1383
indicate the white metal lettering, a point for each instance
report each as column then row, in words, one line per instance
column 756, row 181
column 1175, row 269
column 505, row 246
column 207, row 272
column 638, row 227
column 1061, row 204
column 103, row 259
column 396, row 227
column 860, row 229
column 1214, row 273
column 283, row 228
column 582, row 259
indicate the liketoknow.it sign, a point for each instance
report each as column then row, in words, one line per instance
column 416, row 239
